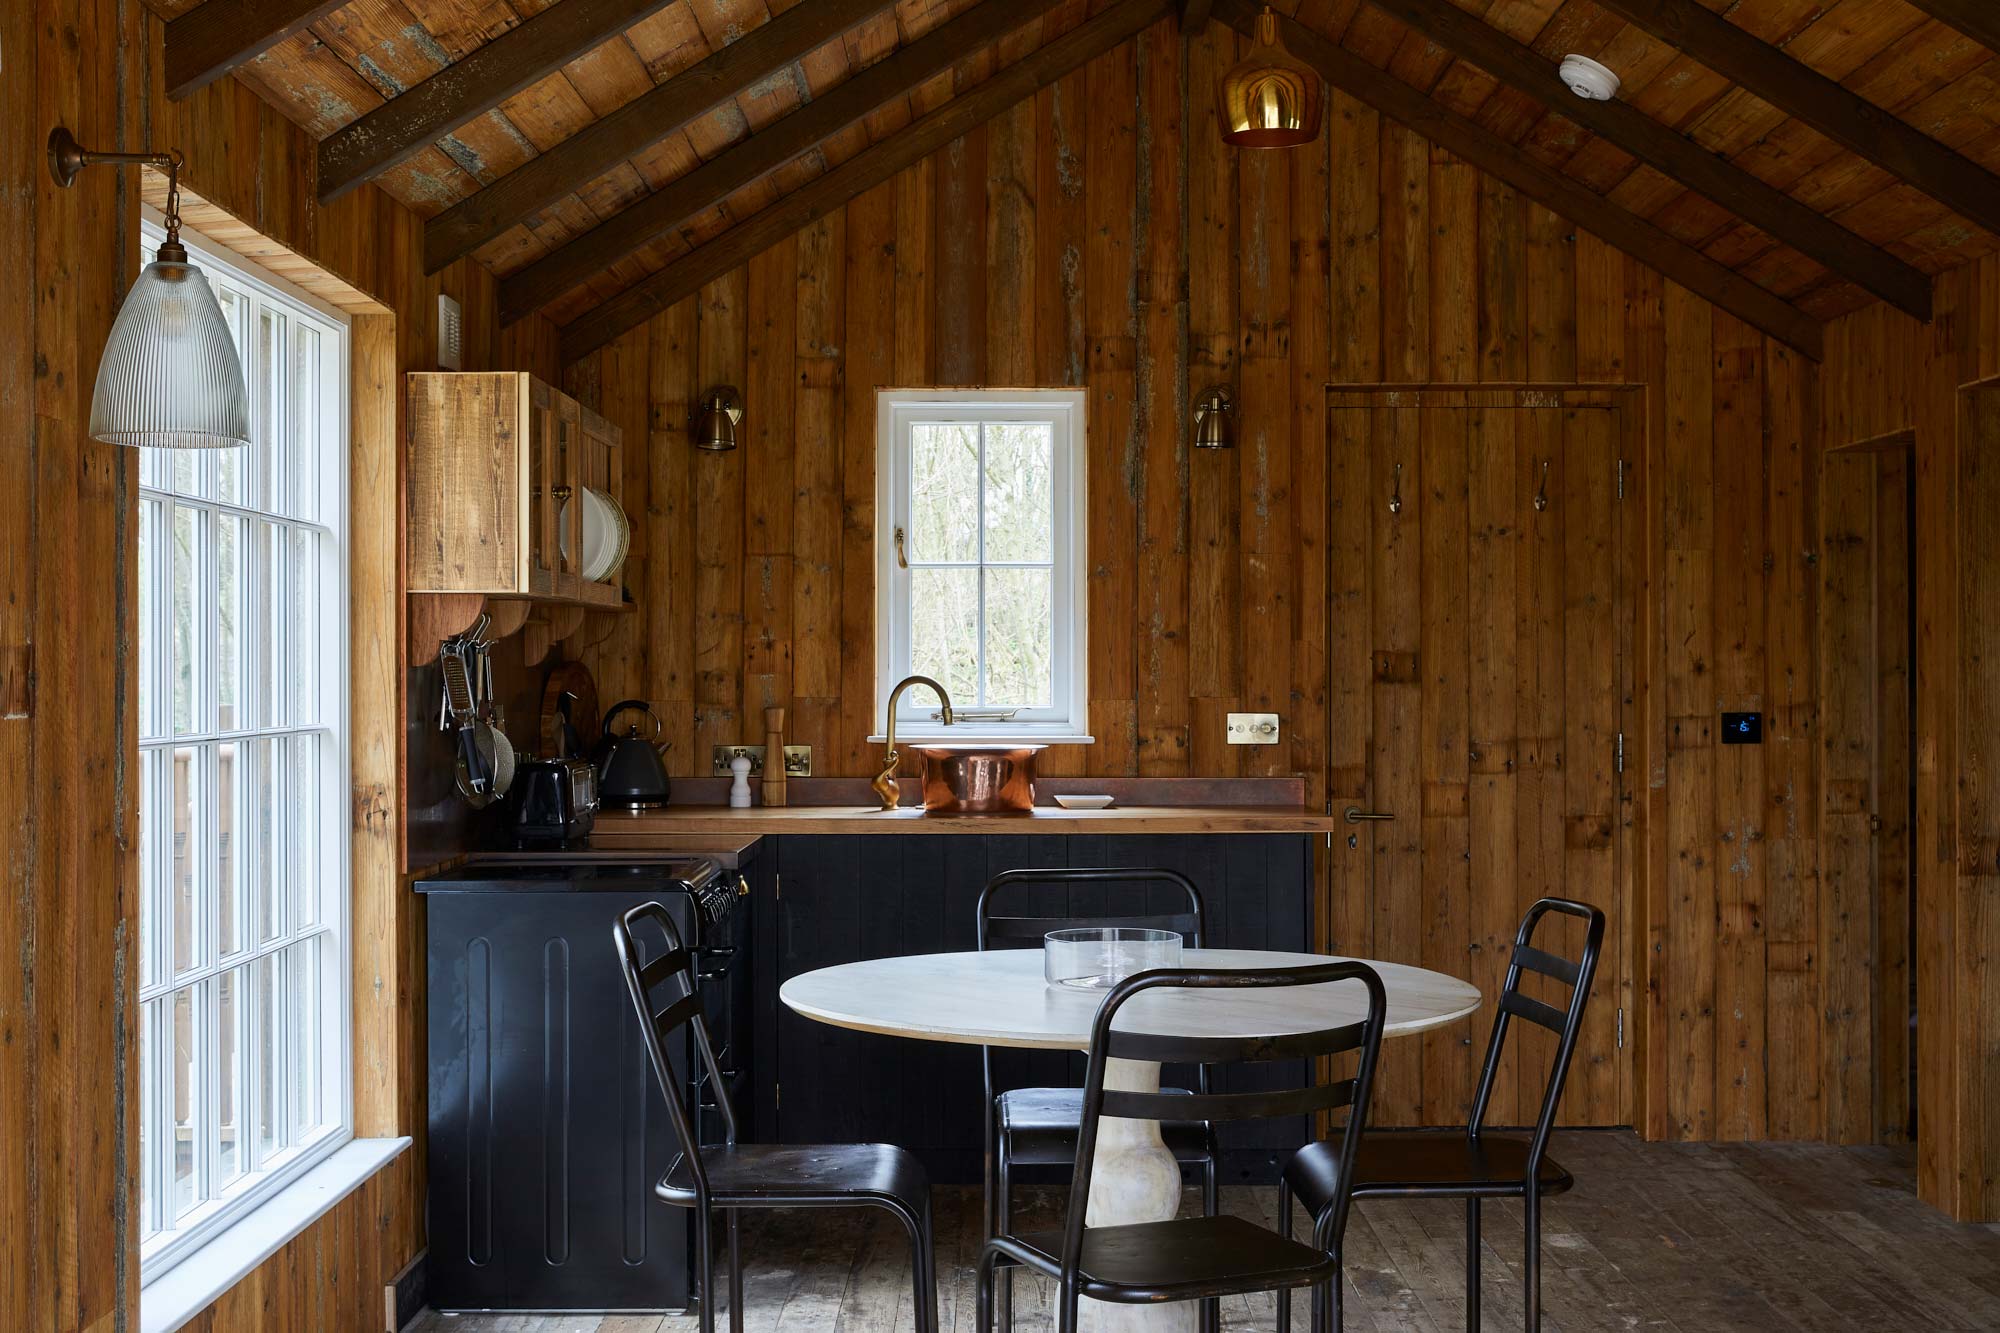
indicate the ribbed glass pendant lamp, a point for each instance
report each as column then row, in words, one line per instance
column 170, row 377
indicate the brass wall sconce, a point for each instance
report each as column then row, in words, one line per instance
column 170, row 377
column 716, row 418
column 1213, row 409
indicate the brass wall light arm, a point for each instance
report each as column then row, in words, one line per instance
column 68, row 158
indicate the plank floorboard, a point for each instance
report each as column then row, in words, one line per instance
column 1664, row 1238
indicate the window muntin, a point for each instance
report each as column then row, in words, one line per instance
column 243, row 950
column 984, row 588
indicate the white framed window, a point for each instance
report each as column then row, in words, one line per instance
column 243, row 753
column 981, row 549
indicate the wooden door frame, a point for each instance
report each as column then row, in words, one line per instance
column 1638, row 854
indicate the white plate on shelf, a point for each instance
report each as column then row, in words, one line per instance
column 1081, row 802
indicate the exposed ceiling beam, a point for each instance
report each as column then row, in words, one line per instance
column 1559, row 193
column 637, row 125
column 679, row 201
column 404, row 125
column 1849, row 120
column 864, row 171
column 214, row 38
column 1784, row 218
column 1977, row 19
column 1194, row 16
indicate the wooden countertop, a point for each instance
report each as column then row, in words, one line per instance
column 636, row 831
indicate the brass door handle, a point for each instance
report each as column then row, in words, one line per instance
column 1356, row 815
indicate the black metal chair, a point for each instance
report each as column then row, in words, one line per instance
column 1039, row 1126
column 1475, row 1165
column 732, row 1176
column 1201, row 1258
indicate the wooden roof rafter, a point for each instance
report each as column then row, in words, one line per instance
column 895, row 76
column 1008, row 85
column 1559, row 193
column 403, row 126
column 1779, row 215
column 640, row 123
column 1798, row 90
column 214, row 38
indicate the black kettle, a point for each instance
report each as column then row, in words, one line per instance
column 630, row 772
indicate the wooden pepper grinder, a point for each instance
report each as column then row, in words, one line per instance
column 774, row 756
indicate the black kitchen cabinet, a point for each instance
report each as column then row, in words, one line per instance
column 839, row 898
column 547, row 1129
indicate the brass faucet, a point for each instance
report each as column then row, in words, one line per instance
column 885, row 783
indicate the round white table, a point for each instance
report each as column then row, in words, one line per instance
column 998, row 998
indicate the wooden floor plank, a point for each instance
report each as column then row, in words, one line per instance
column 1663, row 1238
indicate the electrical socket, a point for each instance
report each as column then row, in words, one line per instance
column 798, row 760
column 1253, row 729
column 724, row 753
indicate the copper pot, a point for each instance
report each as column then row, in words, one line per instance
column 996, row 781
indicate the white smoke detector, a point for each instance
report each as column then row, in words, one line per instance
column 1588, row 79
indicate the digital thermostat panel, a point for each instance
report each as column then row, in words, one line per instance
column 1742, row 728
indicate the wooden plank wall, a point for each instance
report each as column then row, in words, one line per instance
column 67, row 671
column 68, row 757
column 1885, row 373
column 1104, row 237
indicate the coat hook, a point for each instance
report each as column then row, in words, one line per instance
column 1542, row 492
column 1396, row 492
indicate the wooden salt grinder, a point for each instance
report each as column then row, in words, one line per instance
column 774, row 756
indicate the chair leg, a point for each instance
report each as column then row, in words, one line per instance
column 923, row 1273
column 704, row 1245
column 1285, row 1230
column 1472, row 1265
column 1211, row 1206
column 1531, row 1260
column 735, row 1272
column 1066, row 1311
column 1003, row 1219
column 986, row 1261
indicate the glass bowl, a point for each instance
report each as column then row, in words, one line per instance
column 1099, row 957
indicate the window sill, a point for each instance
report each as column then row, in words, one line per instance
column 192, row 1284
column 960, row 737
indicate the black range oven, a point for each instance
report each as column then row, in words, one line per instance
column 546, row 1130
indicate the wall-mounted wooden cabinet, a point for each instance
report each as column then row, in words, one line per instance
column 495, row 460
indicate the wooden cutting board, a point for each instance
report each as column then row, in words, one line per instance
column 573, row 678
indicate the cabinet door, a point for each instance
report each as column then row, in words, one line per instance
column 546, row 1128
column 554, row 462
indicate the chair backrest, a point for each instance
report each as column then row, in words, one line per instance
column 997, row 931
column 667, row 997
column 1565, row 1023
column 1317, row 1049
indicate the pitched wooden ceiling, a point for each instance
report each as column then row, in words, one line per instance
column 604, row 157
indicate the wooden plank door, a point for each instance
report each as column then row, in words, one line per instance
column 1480, row 640
column 1866, row 922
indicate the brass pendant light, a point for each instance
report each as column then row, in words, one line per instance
column 1270, row 98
